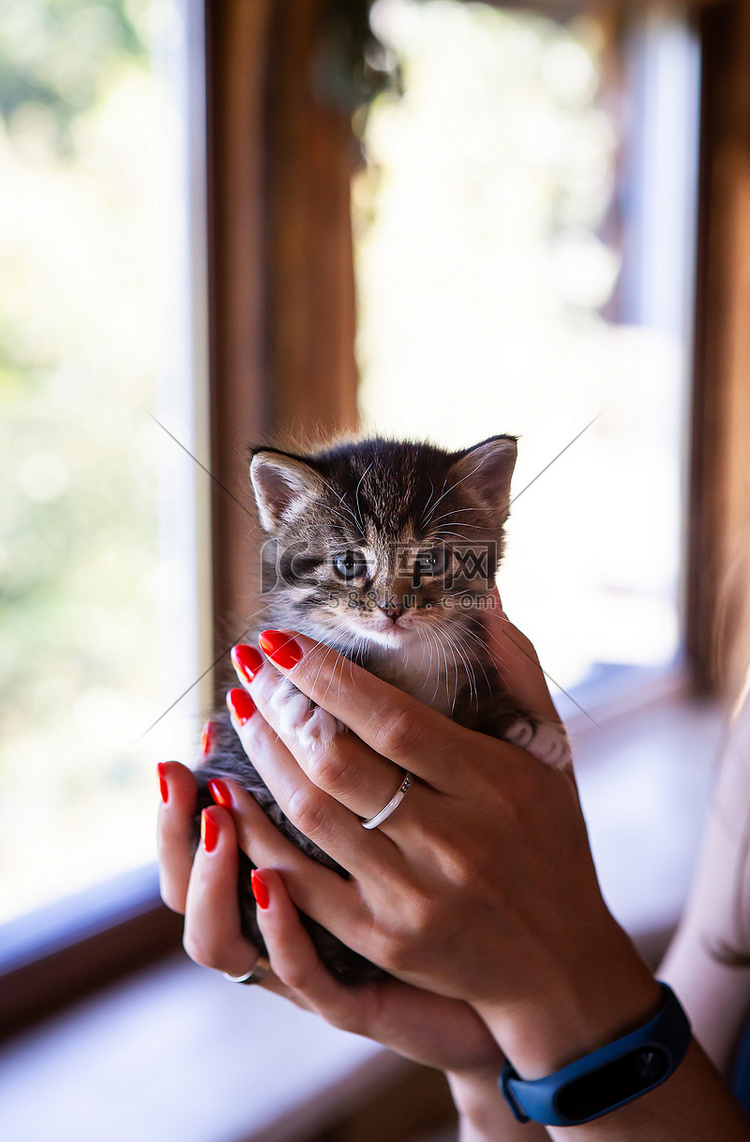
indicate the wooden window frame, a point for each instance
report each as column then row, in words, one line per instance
column 281, row 357
column 718, row 556
column 281, row 307
column 282, row 323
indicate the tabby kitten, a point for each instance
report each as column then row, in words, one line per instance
column 386, row 551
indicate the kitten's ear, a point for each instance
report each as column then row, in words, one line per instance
column 486, row 470
column 283, row 486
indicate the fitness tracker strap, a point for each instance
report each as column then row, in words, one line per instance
column 606, row 1079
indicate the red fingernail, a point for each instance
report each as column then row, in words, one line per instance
column 260, row 889
column 209, row 831
column 220, row 793
column 207, row 738
column 280, row 648
column 246, row 661
column 241, row 705
column 163, row 787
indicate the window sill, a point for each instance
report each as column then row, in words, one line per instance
column 135, row 1056
column 645, row 776
column 177, row 1052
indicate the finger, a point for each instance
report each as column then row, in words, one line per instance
column 174, row 839
column 293, row 957
column 518, row 665
column 394, row 1013
column 334, row 760
column 336, row 903
column 213, row 930
column 317, row 814
column 320, row 892
column 392, row 723
column 272, row 983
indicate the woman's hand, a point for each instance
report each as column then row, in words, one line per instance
column 480, row 886
column 428, row 1028
column 561, row 977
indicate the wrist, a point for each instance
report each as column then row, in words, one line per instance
column 479, row 1102
column 577, row 1011
column 608, row 1078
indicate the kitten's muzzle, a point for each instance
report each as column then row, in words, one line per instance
column 392, row 610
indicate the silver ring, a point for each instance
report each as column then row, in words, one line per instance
column 394, row 803
column 258, row 971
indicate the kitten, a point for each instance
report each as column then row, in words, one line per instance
column 386, row 551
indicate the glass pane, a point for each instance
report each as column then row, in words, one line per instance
column 523, row 254
column 93, row 293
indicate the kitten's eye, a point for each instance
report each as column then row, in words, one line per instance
column 431, row 562
column 350, row 565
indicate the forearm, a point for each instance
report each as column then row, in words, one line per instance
column 485, row 1115
column 594, row 1007
column 715, row 995
column 694, row 1105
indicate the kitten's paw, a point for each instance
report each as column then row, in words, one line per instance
column 550, row 744
column 319, row 729
column 299, row 717
column 520, row 733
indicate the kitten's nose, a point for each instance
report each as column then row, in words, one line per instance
column 393, row 610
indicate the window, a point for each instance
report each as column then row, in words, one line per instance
column 101, row 341
column 280, row 160
column 524, row 245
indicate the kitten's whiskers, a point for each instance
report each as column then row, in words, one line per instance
column 451, row 636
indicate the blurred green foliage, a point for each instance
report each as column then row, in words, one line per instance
column 55, row 57
column 353, row 65
column 53, row 54
column 84, row 185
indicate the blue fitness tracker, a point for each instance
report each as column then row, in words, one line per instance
column 606, row 1079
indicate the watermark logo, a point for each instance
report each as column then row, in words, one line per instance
column 467, row 566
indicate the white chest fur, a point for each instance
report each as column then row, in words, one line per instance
column 427, row 673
